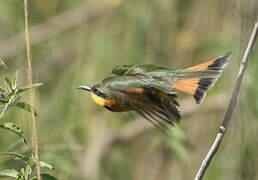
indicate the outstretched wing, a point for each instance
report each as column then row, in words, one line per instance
column 133, row 80
column 196, row 80
column 162, row 115
column 199, row 79
column 120, row 83
column 156, row 105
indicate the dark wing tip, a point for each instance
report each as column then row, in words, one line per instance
column 206, row 84
column 220, row 62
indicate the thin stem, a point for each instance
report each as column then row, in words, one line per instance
column 7, row 106
column 233, row 101
column 32, row 94
column 4, row 111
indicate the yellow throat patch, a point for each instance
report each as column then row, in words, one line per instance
column 103, row 102
column 98, row 100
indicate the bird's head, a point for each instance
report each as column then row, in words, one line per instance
column 97, row 94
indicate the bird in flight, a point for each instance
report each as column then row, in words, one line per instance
column 151, row 90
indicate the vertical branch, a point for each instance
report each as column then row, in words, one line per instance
column 32, row 93
column 233, row 100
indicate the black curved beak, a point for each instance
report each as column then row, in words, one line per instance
column 86, row 88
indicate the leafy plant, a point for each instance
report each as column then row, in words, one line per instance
column 10, row 96
column 26, row 173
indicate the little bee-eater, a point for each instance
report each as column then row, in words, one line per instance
column 151, row 90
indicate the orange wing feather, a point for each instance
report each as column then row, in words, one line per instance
column 187, row 85
column 198, row 87
column 201, row 66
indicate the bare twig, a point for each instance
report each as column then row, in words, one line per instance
column 32, row 93
column 224, row 125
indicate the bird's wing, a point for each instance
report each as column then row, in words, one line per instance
column 196, row 80
column 121, row 70
column 131, row 91
column 199, row 79
column 163, row 116
column 120, row 83
column 131, row 70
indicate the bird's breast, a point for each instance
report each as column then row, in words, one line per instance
column 110, row 104
column 98, row 100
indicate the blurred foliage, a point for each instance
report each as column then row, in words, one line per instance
column 10, row 96
column 75, row 134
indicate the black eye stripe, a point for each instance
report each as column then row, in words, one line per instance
column 98, row 92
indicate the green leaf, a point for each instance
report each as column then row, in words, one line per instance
column 44, row 177
column 8, row 82
column 22, row 172
column 17, row 156
column 43, row 164
column 24, row 106
column 9, row 173
column 32, row 159
column 15, row 78
column 2, row 89
column 27, row 172
column 15, row 129
column 2, row 64
column 47, row 177
column 25, row 88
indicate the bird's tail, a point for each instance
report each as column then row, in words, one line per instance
column 197, row 80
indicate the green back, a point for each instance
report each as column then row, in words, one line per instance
column 136, row 69
column 121, row 83
column 161, row 73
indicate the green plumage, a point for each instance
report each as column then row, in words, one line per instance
column 161, row 73
column 159, row 111
column 149, row 89
column 121, row 83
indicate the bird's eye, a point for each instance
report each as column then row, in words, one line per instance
column 99, row 90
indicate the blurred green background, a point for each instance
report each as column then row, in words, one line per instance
column 77, row 42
